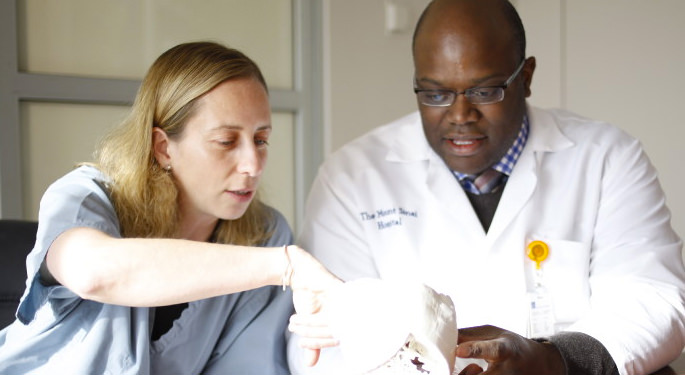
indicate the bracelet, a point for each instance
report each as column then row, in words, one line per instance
column 288, row 274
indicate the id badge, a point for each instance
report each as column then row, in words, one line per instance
column 541, row 319
column 541, row 313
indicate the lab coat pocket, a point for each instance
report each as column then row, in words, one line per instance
column 565, row 275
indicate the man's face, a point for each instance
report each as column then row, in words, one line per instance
column 459, row 55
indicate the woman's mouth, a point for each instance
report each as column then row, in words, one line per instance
column 241, row 195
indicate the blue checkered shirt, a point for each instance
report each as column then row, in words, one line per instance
column 505, row 165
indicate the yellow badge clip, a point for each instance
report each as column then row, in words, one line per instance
column 538, row 252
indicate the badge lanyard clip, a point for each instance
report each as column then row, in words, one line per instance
column 541, row 310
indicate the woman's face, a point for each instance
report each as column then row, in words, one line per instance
column 219, row 157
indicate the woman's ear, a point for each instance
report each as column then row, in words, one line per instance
column 160, row 146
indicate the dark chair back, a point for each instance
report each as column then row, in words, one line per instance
column 17, row 238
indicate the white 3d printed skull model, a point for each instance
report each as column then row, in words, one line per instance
column 393, row 328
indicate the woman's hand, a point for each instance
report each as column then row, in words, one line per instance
column 310, row 281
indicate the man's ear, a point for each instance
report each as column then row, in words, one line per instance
column 528, row 71
column 160, row 147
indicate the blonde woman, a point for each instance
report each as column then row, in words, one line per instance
column 159, row 258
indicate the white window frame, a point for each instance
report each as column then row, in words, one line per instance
column 304, row 101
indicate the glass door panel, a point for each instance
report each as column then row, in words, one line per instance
column 120, row 39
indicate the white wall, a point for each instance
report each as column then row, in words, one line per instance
column 614, row 60
column 619, row 61
column 368, row 71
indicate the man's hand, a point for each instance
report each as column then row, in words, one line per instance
column 507, row 353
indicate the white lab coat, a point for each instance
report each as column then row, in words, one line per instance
column 387, row 206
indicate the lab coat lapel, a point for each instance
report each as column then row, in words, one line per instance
column 517, row 192
column 442, row 187
column 450, row 197
column 545, row 136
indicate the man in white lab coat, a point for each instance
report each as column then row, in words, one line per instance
column 566, row 263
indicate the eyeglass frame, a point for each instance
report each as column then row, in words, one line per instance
column 466, row 92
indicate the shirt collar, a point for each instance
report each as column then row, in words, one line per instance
column 506, row 164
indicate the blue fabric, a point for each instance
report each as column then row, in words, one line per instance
column 504, row 165
column 58, row 332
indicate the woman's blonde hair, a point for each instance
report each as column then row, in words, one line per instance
column 143, row 194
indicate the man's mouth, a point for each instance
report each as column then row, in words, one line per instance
column 464, row 146
column 461, row 142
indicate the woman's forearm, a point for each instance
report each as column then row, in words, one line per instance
column 157, row 272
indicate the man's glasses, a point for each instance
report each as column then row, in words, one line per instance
column 475, row 95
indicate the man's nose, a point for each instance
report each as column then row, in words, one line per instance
column 462, row 111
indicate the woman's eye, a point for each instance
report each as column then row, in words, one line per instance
column 261, row 142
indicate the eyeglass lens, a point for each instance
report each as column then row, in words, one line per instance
column 476, row 95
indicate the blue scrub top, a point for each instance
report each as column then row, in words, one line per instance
column 58, row 332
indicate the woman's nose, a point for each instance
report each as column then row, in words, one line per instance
column 251, row 161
